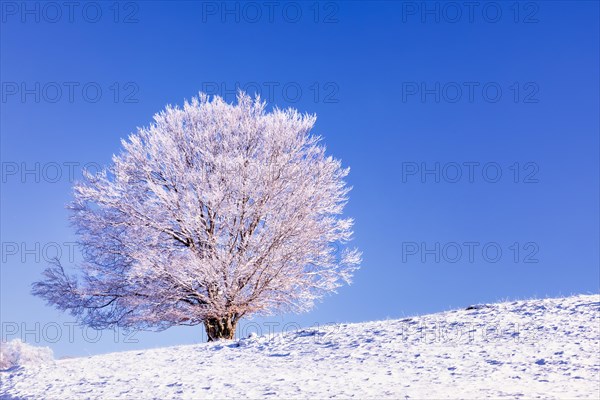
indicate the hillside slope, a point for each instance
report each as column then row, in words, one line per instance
column 524, row 349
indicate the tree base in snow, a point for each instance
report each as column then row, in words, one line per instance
column 220, row 328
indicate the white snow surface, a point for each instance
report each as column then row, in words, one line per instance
column 546, row 348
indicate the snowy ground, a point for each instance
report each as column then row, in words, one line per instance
column 525, row 349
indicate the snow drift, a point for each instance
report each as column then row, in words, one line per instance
column 522, row 349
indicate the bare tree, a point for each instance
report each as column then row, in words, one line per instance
column 212, row 213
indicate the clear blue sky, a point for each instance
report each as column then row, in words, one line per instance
column 508, row 88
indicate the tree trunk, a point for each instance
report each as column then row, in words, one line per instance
column 220, row 328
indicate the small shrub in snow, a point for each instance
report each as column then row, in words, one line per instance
column 17, row 353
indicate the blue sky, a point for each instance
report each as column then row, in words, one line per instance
column 472, row 137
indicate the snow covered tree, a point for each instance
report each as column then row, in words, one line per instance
column 214, row 212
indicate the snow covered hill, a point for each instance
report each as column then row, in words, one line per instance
column 524, row 349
